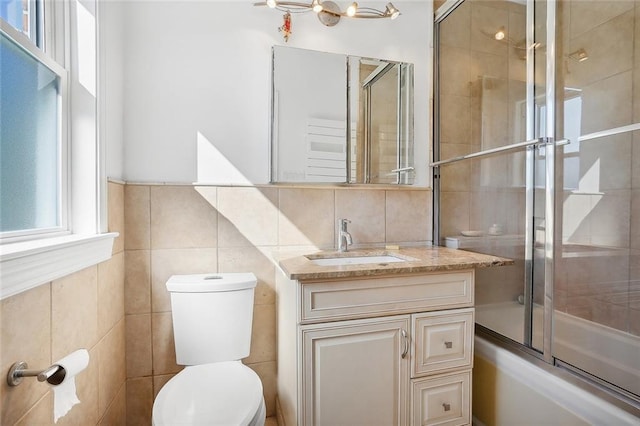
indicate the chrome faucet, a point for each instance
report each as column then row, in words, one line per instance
column 344, row 237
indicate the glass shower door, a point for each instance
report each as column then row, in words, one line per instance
column 563, row 75
column 597, row 279
column 491, row 122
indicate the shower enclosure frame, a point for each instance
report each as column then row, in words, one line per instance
column 537, row 138
column 534, row 141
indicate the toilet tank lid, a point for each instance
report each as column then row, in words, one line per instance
column 213, row 282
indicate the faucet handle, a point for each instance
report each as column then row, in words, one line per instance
column 343, row 222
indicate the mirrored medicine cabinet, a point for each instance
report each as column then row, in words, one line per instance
column 340, row 119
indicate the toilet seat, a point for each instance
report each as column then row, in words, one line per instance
column 222, row 393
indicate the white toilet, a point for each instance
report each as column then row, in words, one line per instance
column 212, row 316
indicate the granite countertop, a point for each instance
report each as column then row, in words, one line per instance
column 418, row 259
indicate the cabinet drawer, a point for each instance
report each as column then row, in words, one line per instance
column 442, row 340
column 360, row 298
column 442, row 400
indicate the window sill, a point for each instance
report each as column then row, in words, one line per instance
column 26, row 265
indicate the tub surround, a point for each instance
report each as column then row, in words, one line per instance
column 510, row 386
column 416, row 260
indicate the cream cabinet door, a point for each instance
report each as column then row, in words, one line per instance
column 356, row 372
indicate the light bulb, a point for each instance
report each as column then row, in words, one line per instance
column 392, row 11
column 316, row 6
column 271, row 3
column 500, row 35
column 352, row 9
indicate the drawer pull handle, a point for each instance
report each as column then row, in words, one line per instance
column 447, row 407
column 406, row 343
column 448, row 345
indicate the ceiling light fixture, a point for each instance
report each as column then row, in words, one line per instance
column 392, row 11
column 501, row 36
column 329, row 13
column 579, row 55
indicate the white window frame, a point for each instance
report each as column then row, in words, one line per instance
column 83, row 242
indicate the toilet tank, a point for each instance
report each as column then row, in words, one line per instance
column 212, row 316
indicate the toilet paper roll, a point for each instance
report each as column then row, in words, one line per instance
column 64, row 386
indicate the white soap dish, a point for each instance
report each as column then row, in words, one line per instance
column 472, row 233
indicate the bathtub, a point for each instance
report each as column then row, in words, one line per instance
column 511, row 389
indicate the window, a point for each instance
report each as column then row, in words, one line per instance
column 24, row 16
column 52, row 198
column 30, row 143
column 32, row 137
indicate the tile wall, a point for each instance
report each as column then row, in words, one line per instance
column 481, row 89
column 82, row 310
column 602, row 285
column 481, row 85
column 197, row 229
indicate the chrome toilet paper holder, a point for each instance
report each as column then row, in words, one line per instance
column 54, row 375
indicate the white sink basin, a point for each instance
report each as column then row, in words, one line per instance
column 356, row 260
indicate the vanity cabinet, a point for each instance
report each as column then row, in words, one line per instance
column 379, row 350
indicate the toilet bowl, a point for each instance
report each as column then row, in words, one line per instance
column 212, row 317
column 222, row 393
